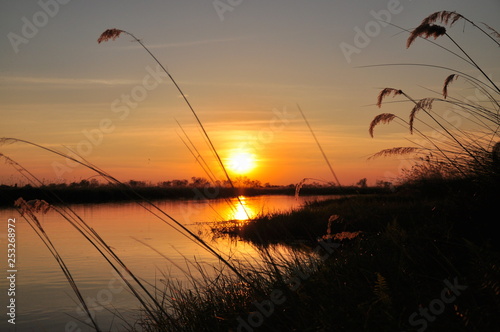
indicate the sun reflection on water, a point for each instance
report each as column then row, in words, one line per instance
column 241, row 210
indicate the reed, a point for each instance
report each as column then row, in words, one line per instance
column 381, row 118
column 428, row 29
column 29, row 210
column 393, row 248
column 113, row 34
column 468, row 152
column 147, row 300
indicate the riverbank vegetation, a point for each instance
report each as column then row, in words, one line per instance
column 420, row 255
column 391, row 262
column 198, row 189
column 425, row 256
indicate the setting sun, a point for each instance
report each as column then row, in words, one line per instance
column 255, row 160
column 241, row 162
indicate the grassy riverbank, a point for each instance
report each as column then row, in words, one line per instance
column 423, row 257
column 438, row 206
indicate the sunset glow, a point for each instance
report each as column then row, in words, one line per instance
column 241, row 163
column 244, row 163
column 113, row 105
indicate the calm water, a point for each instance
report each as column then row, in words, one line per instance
column 45, row 301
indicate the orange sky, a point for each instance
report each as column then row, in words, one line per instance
column 244, row 71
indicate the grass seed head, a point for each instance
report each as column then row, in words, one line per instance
column 425, row 31
column 447, row 82
column 381, row 118
column 445, row 17
column 386, row 92
column 424, row 104
column 110, row 34
column 32, row 206
column 402, row 150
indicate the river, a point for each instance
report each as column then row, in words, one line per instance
column 44, row 300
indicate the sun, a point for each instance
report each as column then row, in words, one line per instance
column 241, row 162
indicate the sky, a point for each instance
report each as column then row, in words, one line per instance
column 245, row 66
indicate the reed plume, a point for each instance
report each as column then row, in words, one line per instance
column 449, row 18
column 381, row 118
column 445, row 17
column 425, row 105
column 425, row 31
column 428, row 28
column 110, row 34
column 387, row 92
column 464, row 151
column 402, row 150
column 32, row 206
column 381, row 290
column 447, row 82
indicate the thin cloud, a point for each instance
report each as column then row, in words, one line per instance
column 62, row 81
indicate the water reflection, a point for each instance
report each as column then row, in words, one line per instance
column 242, row 209
column 44, row 297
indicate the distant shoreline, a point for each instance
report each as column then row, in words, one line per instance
column 54, row 194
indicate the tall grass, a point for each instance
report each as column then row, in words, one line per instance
column 157, row 313
column 28, row 210
column 148, row 301
column 112, row 34
column 395, row 248
column 212, row 299
column 455, row 151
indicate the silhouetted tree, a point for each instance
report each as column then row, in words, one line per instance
column 180, row 183
column 199, row 182
column 362, row 183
